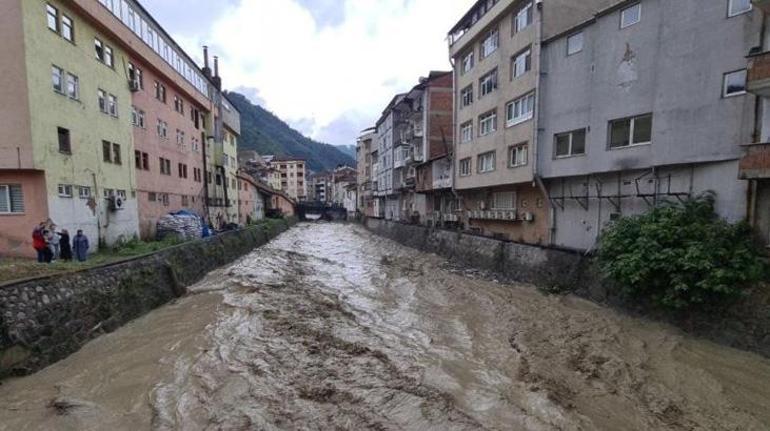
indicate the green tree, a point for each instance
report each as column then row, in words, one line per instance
column 681, row 255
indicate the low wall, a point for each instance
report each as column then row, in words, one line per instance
column 744, row 325
column 46, row 319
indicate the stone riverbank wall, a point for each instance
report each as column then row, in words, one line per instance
column 44, row 320
column 744, row 325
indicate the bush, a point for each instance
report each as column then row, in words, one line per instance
column 681, row 255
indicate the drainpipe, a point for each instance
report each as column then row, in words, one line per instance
column 538, row 182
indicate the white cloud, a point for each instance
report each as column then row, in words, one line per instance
column 313, row 74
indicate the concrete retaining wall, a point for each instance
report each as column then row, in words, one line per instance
column 744, row 325
column 46, row 319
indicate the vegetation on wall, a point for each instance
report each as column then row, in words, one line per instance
column 265, row 133
column 681, row 255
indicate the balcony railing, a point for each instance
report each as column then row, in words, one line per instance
column 756, row 163
column 758, row 80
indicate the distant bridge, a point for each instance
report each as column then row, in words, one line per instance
column 320, row 210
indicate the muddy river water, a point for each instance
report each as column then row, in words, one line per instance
column 332, row 328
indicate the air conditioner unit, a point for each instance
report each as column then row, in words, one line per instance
column 115, row 203
column 529, row 217
column 510, row 215
column 133, row 86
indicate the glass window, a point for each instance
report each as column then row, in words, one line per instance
column 504, row 201
column 487, row 123
column 102, row 101
column 65, row 190
column 466, row 95
column 116, row 157
column 490, row 44
column 73, row 86
column 520, row 110
column 84, row 192
column 521, row 63
column 488, row 83
column 737, row 7
column 486, row 162
column 99, row 49
column 465, row 167
column 108, row 59
column 53, row 17
column 67, row 28
column 56, row 79
column 523, row 18
column 575, row 43
column 630, row 15
column 517, row 155
column 734, row 83
column 11, row 199
column 468, row 62
column 631, row 131
column 106, row 152
column 113, row 105
column 467, row 132
column 64, row 140
column 570, row 143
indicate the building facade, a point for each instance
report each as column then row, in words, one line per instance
column 293, row 176
column 366, row 175
column 388, row 203
column 638, row 108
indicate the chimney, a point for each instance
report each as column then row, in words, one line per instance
column 217, row 80
column 206, row 69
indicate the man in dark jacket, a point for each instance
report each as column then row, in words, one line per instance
column 65, row 250
column 80, row 246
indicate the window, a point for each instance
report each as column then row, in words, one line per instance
column 517, row 155
column 487, row 123
column 504, row 201
column 178, row 105
column 185, row 201
column 490, row 44
column 738, row 7
column 162, row 129
column 160, row 92
column 145, row 161
column 67, row 28
column 734, row 83
column 164, row 199
column 466, row 96
column 73, row 87
column 631, row 131
column 521, row 63
column 108, row 193
column 165, row 166
column 103, row 53
column 56, row 79
column 138, row 159
column 575, row 43
column 468, row 63
column 182, row 170
column 466, row 132
column 116, row 156
column 135, row 76
column 112, row 103
column 65, row 191
column 64, row 141
column 152, row 197
column 465, row 167
column 108, row 58
column 570, row 144
column 523, row 18
column 630, row 15
column 11, row 199
column 520, row 110
column 102, row 101
column 106, row 152
column 137, row 117
column 53, row 17
column 84, row 192
column 486, row 162
column 488, row 83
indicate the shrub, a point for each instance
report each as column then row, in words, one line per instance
column 681, row 255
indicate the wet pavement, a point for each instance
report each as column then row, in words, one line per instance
column 330, row 327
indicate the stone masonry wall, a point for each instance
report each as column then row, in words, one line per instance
column 44, row 320
column 744, row 325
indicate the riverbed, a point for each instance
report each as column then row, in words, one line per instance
column 331, row 327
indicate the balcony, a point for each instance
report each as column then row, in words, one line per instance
column 764, row 5
column 758, row 80
column 756, row 163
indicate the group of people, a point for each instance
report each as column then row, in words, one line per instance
column 52, row 245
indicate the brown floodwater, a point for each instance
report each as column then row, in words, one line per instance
column 330, row 327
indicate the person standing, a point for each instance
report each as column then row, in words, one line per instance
column 53, row 242
column 80, row 246
column 38, row 242
column 65, row 245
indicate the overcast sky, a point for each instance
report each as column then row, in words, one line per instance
column 327, row 67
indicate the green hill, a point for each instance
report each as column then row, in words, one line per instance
column 265, row 133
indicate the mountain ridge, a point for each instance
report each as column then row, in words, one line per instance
column 265, row 133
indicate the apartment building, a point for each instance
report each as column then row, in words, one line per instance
column 252, row 199
column 646, row 102
column 366, row 175
column 68, row 145
column 754, row 166
column 222, row 156
column 293, row 176
column 321, row 185
column 388, row 203
column 495, row 50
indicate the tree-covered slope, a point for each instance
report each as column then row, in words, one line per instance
column 267, row 134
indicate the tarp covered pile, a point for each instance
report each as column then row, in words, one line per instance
column 183, row 224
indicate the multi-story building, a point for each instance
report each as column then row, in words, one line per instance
column 755, row 164
column 252, row 198
column 645, row 102
column 366, row 175
column 66, row 154
column 321, row 184
column 341, row 179
column 495, row 49
column 388, row 176
column 293, row 176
